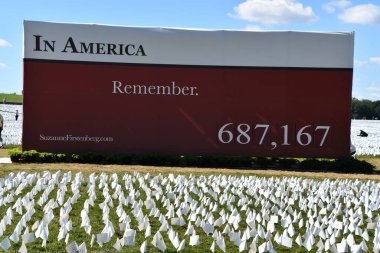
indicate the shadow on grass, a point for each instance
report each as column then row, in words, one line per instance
column 343, row 165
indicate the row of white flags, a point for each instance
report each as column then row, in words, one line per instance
column 245, row 213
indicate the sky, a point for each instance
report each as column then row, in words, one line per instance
column 359, row 16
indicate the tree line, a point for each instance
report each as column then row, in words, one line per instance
column 365, row 109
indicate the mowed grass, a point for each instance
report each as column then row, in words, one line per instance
column 11, row 98
column 374, row 160
column 78, row 234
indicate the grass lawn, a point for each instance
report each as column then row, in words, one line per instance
column 374, row 160
column 11, row 98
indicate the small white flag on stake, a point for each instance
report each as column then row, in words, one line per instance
column 23, row 249
column 190, row 229
column 14, row 236
column 226, row 230
column 143, row 247
column 181, row 246
column 263, row 248
column 62, row 233
column 158, row 242
column 252, row 247
column 43, row 243
column 92, row 240
column 194, row 239
column 212, row 248
column 342, row 246
column 356, row 248
column 218, row 222
column 102, row 238
column 350, row 240
column 364, row 246
column 278, row 238
column 72, row 247
column 82, row 248
column 299, row 240
column 35, row 225
column 365, row 235
column 129, row 237
column 147, row 231
column 208, row 228
column 221, row 244
column 67, row 239
column 287, row 242
column 28, row 238
column 117, row 245
column 243, row 246
column 5, row 244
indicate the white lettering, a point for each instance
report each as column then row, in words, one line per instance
column 164, row 90
column 116, row 85
column 137, row 89
column 140, row 89
column 185, row 89
column 176, row 90
column 151, row 90
column 127, row 89
column 244, row 133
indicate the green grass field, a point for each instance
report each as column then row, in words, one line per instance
column 11, row 98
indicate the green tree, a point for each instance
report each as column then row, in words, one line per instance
column 365, row 109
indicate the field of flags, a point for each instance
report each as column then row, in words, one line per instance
column 366, row 145
column 63, row 211
column 12, row 130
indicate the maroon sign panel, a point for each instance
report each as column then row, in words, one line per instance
column 172, row 91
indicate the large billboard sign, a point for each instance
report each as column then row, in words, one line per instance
column 177, row 91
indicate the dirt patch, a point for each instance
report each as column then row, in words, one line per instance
column 6, row 168
column 4, row 152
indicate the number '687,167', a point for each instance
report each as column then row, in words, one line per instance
column 241, row 133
